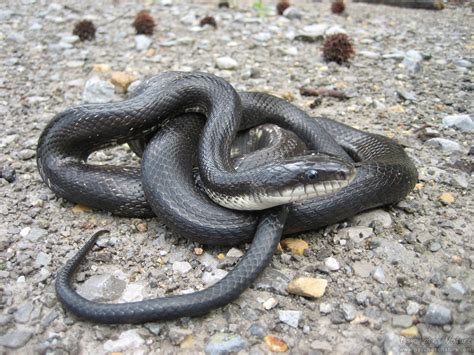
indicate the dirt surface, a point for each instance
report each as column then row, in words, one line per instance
column 399, row 279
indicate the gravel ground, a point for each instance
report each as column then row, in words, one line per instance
column 398, row 279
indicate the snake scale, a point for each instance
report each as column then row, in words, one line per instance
column 191, row 119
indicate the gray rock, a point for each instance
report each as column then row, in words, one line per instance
column 463, row 63
column 292, row 13
column 292, row 318
column 15, row 339
column 356, row 234
column 177, row 335
column 325, row 308
column 455, row 291
column 369, row 54
column 402, row 321
column 182, row 267
column 223, row 343
column 16, row 37
column 226, row 63
column 5, row 15
column 362, row 268
column 462, row 122
column 378, row 274
column 434, row 246
column 273, row 281
column 127, row 341
column 49, row 318
column 335, row 30
column 42, row 259
column 210, row 278
column 142, row 42
column 406, row 95
column 412, row 308
column 98, row 91
column 8, row 173
column 394, row 344
column 412, row 61
column 460, row 180
column 446, row 145
column 362, row 297
column 349, row 311
column 369, row 218
column 312, row 33
column 438, row 315
column 36, row 233
column 262, row 36
column 102, row 288
column 23, row 313
column 133, row 292
column 155, row 328
column 257, row 330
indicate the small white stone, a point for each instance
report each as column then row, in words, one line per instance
column 142, row 42
column 325, row 308
column 182, row 267
column 270, row 303
column 128, row 340
column 227, row 63
column 332, row 264
column 25, row 231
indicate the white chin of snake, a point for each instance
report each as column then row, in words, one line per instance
column 260, row 202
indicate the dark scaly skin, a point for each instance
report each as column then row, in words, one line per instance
column 385, row 175
column 199, row 303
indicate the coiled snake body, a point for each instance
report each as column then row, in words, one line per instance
column 376, row 169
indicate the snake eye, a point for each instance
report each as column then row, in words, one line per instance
column 311, row 174
column 342, row 175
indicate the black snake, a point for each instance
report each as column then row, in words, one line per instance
column 165, row 186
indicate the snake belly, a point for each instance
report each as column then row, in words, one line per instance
column 385, row 175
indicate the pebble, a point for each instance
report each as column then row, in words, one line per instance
column 262, row 37
column 223, row 343
column 227, row 63
column 235, row 253
column 406, row 95
column 155, row 328
column 270, row 303
column 378, row 274
column 362, row 268
column 23, row 313
column 462, row 122
column 325, row 308
column 438, row 315
column 393, row 344
column 369, row 54
column 463, row 63
column 34, row 234
column 292, row 13
column 127, row 340
column 295, row 246
column 98, row 91
column 447, row 198
column 446, row 145
column 142, row 42
column 8, row 173
column 308, row 287
column 374, row 216
column 335, row 30
column 102, row 288
column 275, row 344
column 332, row 264
column 134, row 292
column 210, row 278
column 412, row 308
column 356, row 234
column 312, row 33
column 412, row 61
column 410, row 332
column 122, row 80
column 434, row 246
column 460, row 180
column 257, row 330
column 402, row 321
column 71, row 39
column 42, row 259
column 272, row 280
column 182, row 267
column 349, row 311
column 15, row 339
column 177, row 335
column 292, row 318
